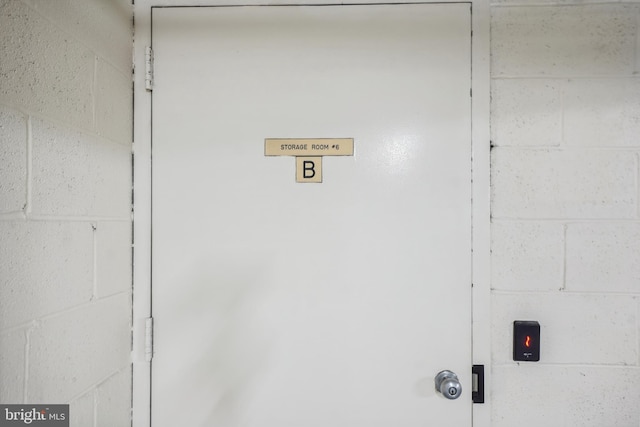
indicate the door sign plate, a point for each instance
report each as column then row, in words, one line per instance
column 308, row 169
column 308, row 153
column 308, row 147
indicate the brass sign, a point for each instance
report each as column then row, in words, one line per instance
column 308, row 147
column 308, row 153
column 308, row 169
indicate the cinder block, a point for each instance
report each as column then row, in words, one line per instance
column 114, row 113
column 113, row 257
column 78, row 349
column 526, row 112
column 45, row 267
column 533, row 395
column 13, row 158
column 529, row 183
column 43, row 69
column 81, row 410
column 114, row 401
column 75, row 173
column 575, row 328
column 105, row 26
column 603, row 257
column 602, row 112
column 563, row 40
column 12, row 358
column 527, row 255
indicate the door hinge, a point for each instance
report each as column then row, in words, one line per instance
column 148, row 68
column 477, row 392
column 148, row 339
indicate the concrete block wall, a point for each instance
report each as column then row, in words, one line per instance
column 565, row 127
column 65, row 206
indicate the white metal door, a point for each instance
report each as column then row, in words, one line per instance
column 284, row 304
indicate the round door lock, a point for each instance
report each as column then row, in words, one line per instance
column 448, row 385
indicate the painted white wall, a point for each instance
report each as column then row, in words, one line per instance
column 565, row 211
column 65, row 206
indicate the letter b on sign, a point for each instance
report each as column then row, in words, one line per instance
column 308, row 169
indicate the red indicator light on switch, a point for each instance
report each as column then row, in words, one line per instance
column 527, row 341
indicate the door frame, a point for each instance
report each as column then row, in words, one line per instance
column 480, row 164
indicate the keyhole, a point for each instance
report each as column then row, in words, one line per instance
column 453, row 391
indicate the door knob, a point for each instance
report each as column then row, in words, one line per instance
column 447, row 383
